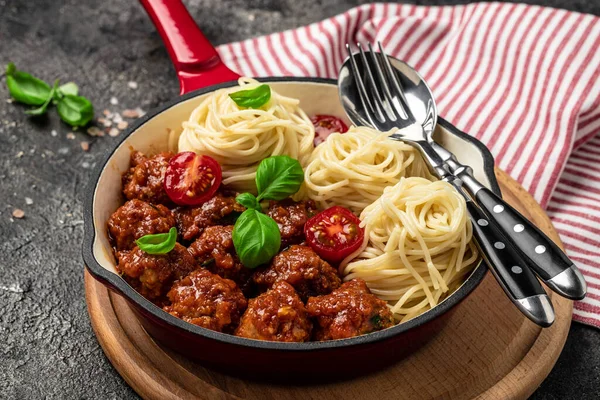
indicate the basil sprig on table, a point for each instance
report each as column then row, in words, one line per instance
column 256, row 236
column 252, row 98
column 160, row 243
column 73, row 109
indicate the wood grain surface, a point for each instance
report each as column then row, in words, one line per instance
column 488, row 350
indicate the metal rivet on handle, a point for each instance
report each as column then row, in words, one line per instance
column 540, row 249
column 482, row 222
column 519, row 228
column 498, row 208
column 499, row 245
column 516, row 269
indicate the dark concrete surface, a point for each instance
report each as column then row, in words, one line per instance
column 47, row 347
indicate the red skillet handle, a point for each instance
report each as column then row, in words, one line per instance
column 196, row 61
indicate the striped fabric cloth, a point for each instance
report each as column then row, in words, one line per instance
column 523, row 79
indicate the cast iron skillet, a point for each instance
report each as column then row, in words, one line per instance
column 200, row 72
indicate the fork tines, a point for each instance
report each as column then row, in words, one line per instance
column 381, row 93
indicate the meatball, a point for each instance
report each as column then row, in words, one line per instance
column 135, row 219
column 144, row 180
column 205, row 299
column 276, row 315
column 214, row 250
column 302, row 268
column 291, row 217
column 191, row 221
column 153, row 274
column 351, row 310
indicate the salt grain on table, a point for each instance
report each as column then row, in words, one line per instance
column 132, row 85
column 18, row 213
column 85, row 146
column 95, row 131
column 54, row 133
column 28, row 201
column 114, row 101
column 113, row 132
column 70, row 136
column 130, row 113
column 19, row 154
column 117, row 118
column 122, row 125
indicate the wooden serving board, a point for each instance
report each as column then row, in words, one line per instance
column 488, row 350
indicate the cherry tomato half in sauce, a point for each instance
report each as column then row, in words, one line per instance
column 325, row 125
column 334, row 234
column 192, row 179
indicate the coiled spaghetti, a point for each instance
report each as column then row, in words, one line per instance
column 239, row 139
column 418, row 246
column 353, row 168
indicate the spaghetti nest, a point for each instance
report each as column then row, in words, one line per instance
column 353, row 169
column 240, row 138
column 418, row 246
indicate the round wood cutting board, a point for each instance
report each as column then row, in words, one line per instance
column 488, row 350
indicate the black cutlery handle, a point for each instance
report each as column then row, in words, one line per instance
column 542, row 254
column 510, row 269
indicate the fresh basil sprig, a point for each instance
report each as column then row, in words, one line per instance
column 252, row 98
column 256, row 236
column 160, row 243
column 278, row 177
column 25, row 88
column 42, row 109
column 75, row 110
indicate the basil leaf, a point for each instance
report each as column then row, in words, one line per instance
column 252, row 98
column 278, row 177
column 248, row 200
column 256, row 238
column 160, row 243
column 42, row 109
column 25, row 88
column 75, row 110
column 69, row 88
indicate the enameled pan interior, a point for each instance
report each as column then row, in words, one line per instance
column 156, row 132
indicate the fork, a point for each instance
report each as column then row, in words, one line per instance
column 386, row 108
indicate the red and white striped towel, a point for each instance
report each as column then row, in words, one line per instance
column 523, row 79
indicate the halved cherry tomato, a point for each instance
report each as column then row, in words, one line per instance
column 325, row 125
column 334, row 233
column 192, row 179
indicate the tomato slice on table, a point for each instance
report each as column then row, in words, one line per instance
column 325, row 125
column 192, row 179
column 334, row 234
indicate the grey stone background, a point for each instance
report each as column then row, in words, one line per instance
column 47, row 347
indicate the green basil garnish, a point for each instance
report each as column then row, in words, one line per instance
column 160, row 243
column 25, row 88
column 252, row 98
column 248, row 200
column 278, row 177
column 75, row 110
column 69, row 88
column 256, row 238
column 42, row 109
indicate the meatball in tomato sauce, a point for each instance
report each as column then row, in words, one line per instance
column 207, row 300
column 191, row 221
column 144, row 180
column 214, row 251
column 302, row 268
column 291, row 217
column 351, row 310
column 135, row 219
column 276, row 315
column 153, row 274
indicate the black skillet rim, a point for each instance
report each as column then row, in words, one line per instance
column 107, row 277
